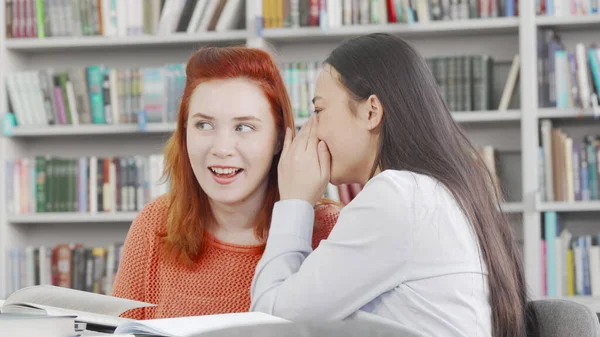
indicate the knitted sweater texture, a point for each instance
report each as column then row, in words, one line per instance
column 218, row 283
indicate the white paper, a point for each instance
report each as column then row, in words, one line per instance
column 189, row 326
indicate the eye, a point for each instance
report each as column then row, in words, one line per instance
column 203, row 126
column 244, row 128
column 316, row 111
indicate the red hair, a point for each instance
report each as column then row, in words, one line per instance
column 189, row 210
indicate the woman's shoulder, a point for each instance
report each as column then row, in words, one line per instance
column 152, row 218
column 411, row 188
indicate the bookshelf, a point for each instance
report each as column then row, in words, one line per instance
column 513, row 132
column 567, row 214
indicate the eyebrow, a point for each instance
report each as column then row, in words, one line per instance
column 240, row 118
column 316, row 98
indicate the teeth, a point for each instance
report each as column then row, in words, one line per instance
column 228, row 170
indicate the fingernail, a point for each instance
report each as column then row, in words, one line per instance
column 322, row 145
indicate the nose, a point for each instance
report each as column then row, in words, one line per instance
column 224, row 144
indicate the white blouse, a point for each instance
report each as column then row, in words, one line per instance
column 402, row 251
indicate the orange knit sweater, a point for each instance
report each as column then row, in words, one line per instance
column 219, row 283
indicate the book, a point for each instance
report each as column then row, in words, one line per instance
column 195, row 325
column 96, row 310
column 16, row 325
column 100, row 313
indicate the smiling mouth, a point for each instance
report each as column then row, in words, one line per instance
column 225, row 172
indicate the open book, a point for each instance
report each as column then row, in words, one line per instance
column 93, row 309
column 195, row 325
column 102, row 313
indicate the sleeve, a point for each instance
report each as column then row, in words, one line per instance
column 133, row 268
column 364, row 256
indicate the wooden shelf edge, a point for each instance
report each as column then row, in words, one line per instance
column 479, row 25
column 566, row 113
column 89, row 129
column 567, row 20
column 487, row 116
column 512, row 207
column 566, row 206
column 85, row 42
column 68, row 217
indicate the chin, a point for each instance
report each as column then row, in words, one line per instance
column 337, row 179
column 224, row 198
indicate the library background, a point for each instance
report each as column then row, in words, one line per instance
column 80, row 154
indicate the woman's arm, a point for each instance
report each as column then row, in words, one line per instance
column 363, row 257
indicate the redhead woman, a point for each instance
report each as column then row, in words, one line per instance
column 194, row 250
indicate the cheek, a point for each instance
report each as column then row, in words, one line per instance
column 197, row 149
column 323, row 130
column 331, row 132
column 257, row 152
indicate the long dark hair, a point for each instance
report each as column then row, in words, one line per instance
column 418, row 134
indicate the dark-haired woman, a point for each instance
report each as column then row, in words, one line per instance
column 423, row 245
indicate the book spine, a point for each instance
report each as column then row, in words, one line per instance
column 95, row 78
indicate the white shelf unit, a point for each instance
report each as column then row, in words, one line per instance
column 581, row 216
column 514, row 131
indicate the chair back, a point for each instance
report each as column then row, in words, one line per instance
column 562, row 318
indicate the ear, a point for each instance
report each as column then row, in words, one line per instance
column 375, row 112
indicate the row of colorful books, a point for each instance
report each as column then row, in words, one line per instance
column 567, row 78
column 570, row 264
column 337, row 13
column 95, row 94
column 86, row 184
column 41, row 19
column 568, row 169
column 69, row 265
column 567, row 7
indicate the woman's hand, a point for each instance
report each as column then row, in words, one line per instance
column 304, row 165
